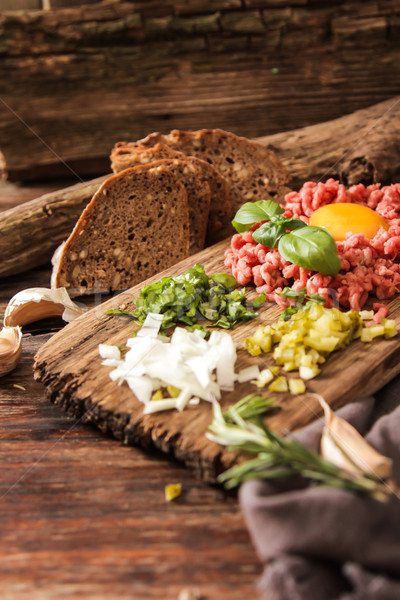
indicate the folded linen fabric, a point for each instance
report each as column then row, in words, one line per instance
column 319, row 543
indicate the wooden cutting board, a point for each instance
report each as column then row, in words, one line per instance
column 70, row 367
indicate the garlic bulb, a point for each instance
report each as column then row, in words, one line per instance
column 10, row 349
column 34, row 304
column 342, row 445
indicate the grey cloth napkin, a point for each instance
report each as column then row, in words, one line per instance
column 318, row 543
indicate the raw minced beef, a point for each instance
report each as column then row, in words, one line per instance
column 368, row 266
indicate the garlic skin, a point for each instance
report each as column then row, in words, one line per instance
column 342, row 445
column 10, row 349
column 34, row 304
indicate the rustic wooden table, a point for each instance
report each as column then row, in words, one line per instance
column 83, row 516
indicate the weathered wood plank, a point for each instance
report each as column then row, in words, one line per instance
column 84, row 516
column 70, row 368
column 100, row 73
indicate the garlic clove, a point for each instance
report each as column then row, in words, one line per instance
column 34, row 304
column 10, row 349
column 344, row 446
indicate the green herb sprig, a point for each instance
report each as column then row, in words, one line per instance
column 302, row 300
column 193, row 295
column 249, row 407
column 304, row 245
column 278, row 456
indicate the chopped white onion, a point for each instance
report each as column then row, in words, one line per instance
column 199, row 369
column 142, row 387
column 151, row 325
column 110, row 362
column 111, row 352
column 225, row 350
column 265, row 376
column 159, row 405
column 183, row 399
column 248, row 374
column 367, row 315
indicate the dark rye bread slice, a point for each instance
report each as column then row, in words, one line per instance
column 127, row 154
column 197, row 190
column 136, row 225
column 198, row 198
column 251, row 170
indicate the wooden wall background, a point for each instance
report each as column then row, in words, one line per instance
column 76, row 79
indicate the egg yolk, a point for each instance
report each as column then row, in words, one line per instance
column 342, row 218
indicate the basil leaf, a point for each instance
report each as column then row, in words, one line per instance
column 252, row 212
column 209, row 313
column 288, row 222
column 295, row 224
column 288, row 312
column 187, row 297
column 119, row 311
column 314, row 299
column 268, row 234
column 199, row 329
column 237, row 295
column 259, row 301
column 311, row 248
column 289, row 292
column 224, row 279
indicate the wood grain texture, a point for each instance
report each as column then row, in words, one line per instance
column 83, row 516
column 12, row 194
column 97, row 74
column 358, row 148
column 31, row 231
column 70, row 368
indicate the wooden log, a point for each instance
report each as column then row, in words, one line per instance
column 76, row 80
column 29, row 233
column 359, row 148
column 13, row 194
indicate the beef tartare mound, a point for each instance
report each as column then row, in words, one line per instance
column 368, row 265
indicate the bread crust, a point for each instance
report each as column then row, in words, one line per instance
column 136, row 225
column 251, row 171
column 218, row 227
column 190, row 173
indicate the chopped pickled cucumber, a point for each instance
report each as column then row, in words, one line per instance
column 390, row 327
column 279, row 385
column 297, row 386
column 303, row 341
column 369, row 333
column 265, row 376
column 173, row 391
column 172, row 491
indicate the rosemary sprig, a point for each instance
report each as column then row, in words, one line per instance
column 279, row 456
column 250, row 406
